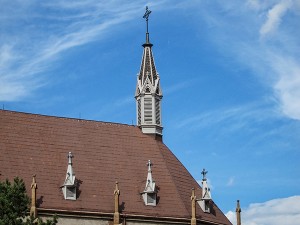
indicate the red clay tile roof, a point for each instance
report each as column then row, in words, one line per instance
column 103, row 153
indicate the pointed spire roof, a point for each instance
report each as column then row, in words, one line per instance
column 150, row 184
column 70, row 176
column 148, row 69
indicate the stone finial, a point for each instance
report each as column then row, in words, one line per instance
column 116, row 213
column 33, row 210
column 149, row 164
column 193, row 199
column 238, row 213
column 70, row 156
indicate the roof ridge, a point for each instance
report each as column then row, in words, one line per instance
column 64, row 117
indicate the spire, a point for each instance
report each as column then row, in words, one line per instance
column 33, row 210
column 148, row 93
column 238, row 213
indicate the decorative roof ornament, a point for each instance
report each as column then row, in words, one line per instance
column 146, row 16
column 205, row 200
column 33, row 210
column 150, row 192
column 69, row 186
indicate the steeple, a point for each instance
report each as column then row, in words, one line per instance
column 148, row 93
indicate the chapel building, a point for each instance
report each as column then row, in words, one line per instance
column 102, row 173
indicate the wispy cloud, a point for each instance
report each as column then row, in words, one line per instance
column 274, row 17
column 274, row 212
column 231, row 118
column 34, row 39
column 230, row 182
column 263, row 39
column 178, row 86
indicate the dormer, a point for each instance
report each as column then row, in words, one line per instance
column 69, row 186
column 205, row 201
column 150, row 193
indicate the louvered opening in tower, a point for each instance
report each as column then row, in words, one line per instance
column 148, row 110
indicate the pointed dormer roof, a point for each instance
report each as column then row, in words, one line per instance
column 70, row 176
column 150, row 183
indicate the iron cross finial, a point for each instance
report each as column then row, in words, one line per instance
column 147, row 13
column 204, row 174
column 146, row 16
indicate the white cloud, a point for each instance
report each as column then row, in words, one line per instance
column 274, row 212
column 274, row 17
column 33, row 40
column 287, row 86
column 273, row 60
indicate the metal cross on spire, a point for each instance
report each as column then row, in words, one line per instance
column 146, row 16
column 204, row 174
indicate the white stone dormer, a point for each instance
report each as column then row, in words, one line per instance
column 148, row 93
column 69, row 186
column 150, row 193
column 205, row 201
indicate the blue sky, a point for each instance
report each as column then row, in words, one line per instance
column 230, row 75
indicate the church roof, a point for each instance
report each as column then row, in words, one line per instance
column 103, row 153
